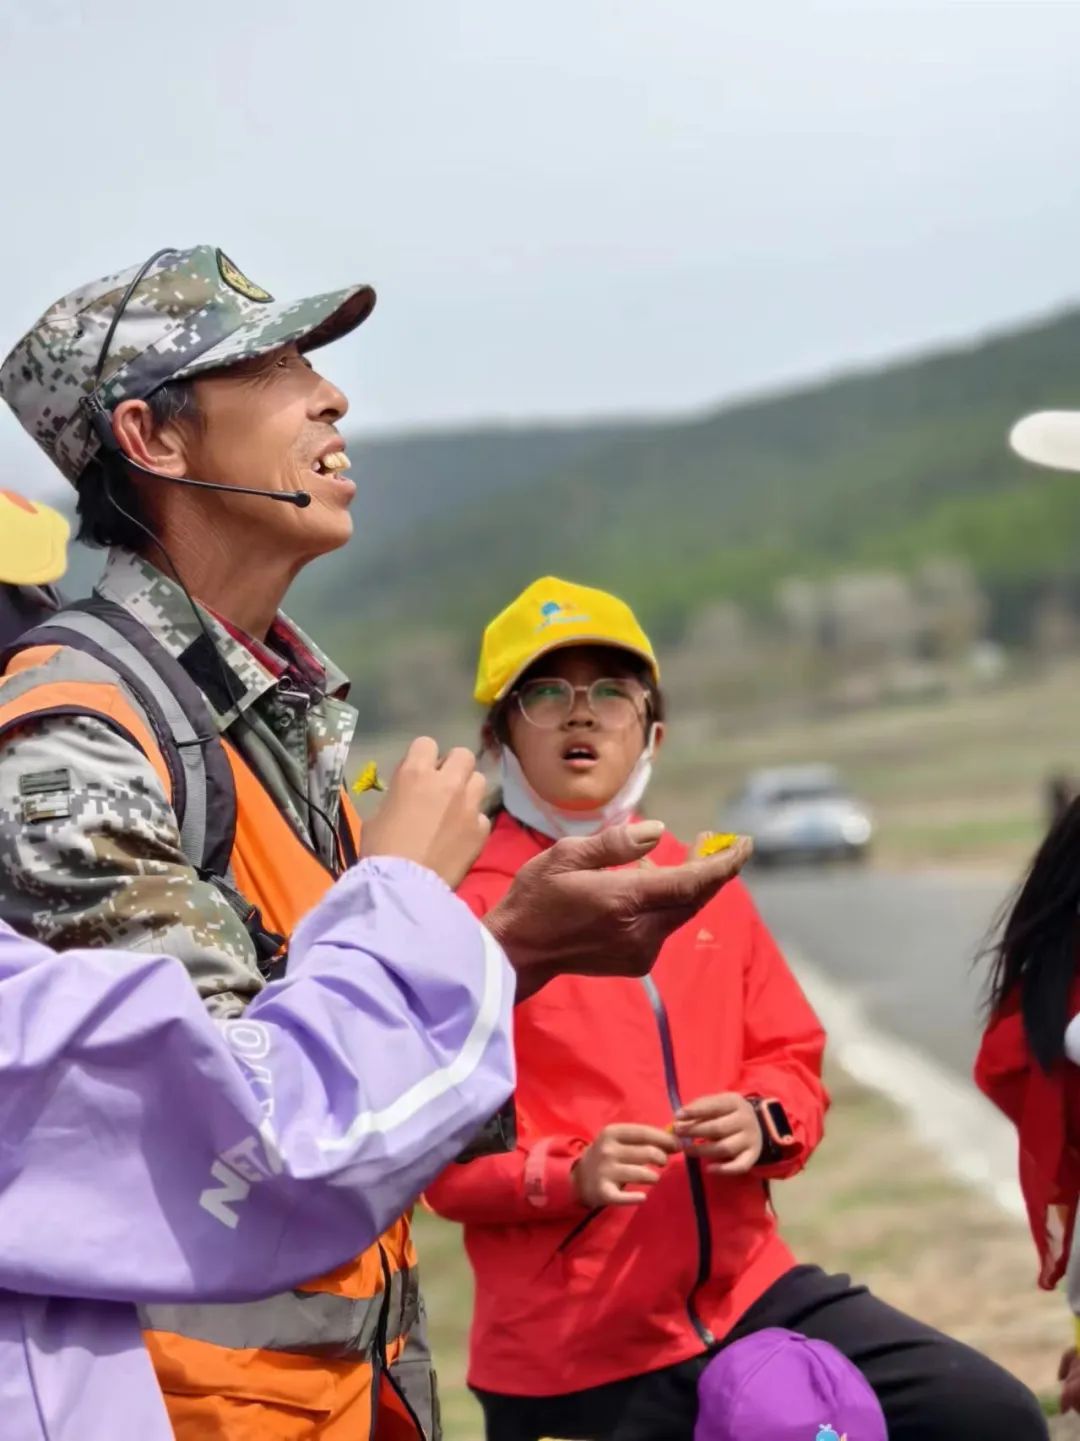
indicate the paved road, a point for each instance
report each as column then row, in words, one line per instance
column 904, row 943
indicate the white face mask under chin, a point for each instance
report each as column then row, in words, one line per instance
column 533, row 811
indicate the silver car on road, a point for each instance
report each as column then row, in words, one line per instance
column 800, row 813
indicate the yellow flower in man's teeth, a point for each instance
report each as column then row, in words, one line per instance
column 368, row 780
column 715, row 842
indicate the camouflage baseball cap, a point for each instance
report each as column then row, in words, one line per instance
column 192, row 311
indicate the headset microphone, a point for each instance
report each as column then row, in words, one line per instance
column 300, row 498
column 101, row 420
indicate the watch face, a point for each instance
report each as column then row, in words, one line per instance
column 780, row 1123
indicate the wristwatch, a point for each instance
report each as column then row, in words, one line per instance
column 777, row 1137
column 495, row 1137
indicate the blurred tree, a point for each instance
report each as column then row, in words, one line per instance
column 871, row 619
column 954, row 607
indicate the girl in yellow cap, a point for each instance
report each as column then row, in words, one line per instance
column 629, row 1234
column 599, row 666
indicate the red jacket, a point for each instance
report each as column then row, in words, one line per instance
column 1044, row 1106
column 565, row 1299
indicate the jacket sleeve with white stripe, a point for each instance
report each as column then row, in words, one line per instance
column 151, row 1153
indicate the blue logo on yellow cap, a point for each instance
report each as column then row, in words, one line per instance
column 553, row 612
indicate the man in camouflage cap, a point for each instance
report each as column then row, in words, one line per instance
column 199, row 373
column 183, row 370
column 179, row 400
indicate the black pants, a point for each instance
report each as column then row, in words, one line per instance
column 930, row 1387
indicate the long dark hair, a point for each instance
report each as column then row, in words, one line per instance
column 1037, row 951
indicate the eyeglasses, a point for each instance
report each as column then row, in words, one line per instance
column 614, row 703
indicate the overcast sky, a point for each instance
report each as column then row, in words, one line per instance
column 567, row 206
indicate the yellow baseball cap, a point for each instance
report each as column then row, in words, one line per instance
column 549, row 615
column 33, row 541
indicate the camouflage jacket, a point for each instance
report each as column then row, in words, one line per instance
column 106, row 867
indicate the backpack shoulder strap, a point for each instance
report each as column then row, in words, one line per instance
column 204, row 793
column 201, row 778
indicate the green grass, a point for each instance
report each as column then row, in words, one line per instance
column 965, row 837
column 892, row 1190
column 448, row 1291
column 957, row 779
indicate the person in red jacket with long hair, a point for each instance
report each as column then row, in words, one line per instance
column 1029, row 1059
column 631, row 1233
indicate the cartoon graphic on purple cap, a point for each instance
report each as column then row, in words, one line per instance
column 778, row 1384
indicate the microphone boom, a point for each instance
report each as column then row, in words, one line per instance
column 300, row 498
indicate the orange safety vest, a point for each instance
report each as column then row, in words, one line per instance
column 311, row 1363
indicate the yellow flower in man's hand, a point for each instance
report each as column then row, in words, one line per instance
column 713, row 842
column 368, row 780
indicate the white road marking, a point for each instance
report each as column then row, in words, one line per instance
column 950, row 1116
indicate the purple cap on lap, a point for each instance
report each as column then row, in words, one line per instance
column 779, row 1386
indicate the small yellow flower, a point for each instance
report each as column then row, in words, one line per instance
column 368, row 780
column 715, row 842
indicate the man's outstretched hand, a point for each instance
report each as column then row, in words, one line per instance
column 568, row 911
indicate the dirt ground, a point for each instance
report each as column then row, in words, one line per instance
column 875, row 1203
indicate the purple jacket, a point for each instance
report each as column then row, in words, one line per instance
column 149, row 1153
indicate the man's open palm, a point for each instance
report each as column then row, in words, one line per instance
column 569, row 911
